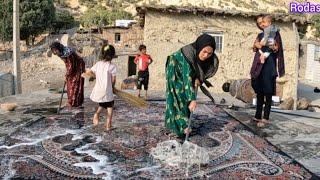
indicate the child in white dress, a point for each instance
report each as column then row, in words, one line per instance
column 102, row 93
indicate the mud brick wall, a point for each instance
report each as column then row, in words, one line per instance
column 166, row 33
column 131, row 37
column 122, row 69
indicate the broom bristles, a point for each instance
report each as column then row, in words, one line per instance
column 133, row 100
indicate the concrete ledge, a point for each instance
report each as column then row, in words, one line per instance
column 6, row 84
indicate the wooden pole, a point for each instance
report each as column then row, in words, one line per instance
column 16, row 48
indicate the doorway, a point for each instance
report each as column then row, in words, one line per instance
column 132, row 67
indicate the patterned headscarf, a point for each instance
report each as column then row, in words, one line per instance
column 67, row 51
column 64, row 50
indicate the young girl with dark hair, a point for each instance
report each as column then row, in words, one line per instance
column 102, row 93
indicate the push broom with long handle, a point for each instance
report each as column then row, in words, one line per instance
column 64, row 86
column 191, row 115
column 131, row 99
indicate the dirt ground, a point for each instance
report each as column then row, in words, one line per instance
column 37, row 73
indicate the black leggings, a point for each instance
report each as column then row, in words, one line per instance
column 267, row 107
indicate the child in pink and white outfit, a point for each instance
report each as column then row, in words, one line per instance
column 102, row 93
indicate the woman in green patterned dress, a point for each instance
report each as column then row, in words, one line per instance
column 187, row 69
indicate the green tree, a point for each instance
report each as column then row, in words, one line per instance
column 62, row 3
column 119, row 14
column 6, row 20
column 63, row 20
column 36, row 16
column 100, row 16
column 95, row 17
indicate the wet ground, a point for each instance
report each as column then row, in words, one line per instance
column 44, row 145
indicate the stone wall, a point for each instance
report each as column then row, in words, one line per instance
column 131, row 37
column 6, row 84
column 309, row 66
column 166, row 33
column 302, row 60
column 122, row 68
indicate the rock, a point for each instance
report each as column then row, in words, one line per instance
column 43, row 81
column 49, row 53
column 311, row 109
column 89, row 159
column 303, row 104
column 8, row 106
column 287, row 104
column 222, row 101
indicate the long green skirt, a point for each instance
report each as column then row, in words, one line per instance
column 179, row 92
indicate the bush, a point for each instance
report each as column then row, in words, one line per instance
column 63, row 20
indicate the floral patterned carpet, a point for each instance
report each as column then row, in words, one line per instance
column 67, row 146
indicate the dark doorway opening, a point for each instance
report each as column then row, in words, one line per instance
column 132, row 67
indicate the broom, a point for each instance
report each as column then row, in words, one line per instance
column 131, row 99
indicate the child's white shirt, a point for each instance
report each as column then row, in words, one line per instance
column 102, row 91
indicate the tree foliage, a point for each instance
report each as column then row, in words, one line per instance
column 316, row 20
column 36, row 16
column 6, row 20
column 100, row 16
column 63, row 20
column 62, row 3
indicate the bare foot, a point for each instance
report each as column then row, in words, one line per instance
column 108, row 126
column 255, row 120
column 95, row 120
column 263, row 123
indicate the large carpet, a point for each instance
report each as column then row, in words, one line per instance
column 67, row 146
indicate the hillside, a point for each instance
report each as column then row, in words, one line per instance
column 242, row 5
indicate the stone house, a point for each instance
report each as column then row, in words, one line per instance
column 126, row 41
column 168, row 28
column 124, row 37
column 309, row 61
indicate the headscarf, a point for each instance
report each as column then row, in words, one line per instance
column 204, row 69
column 65, row 51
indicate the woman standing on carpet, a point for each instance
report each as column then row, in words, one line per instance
column 187, row 69
column 75, row 67
column 263, row 75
